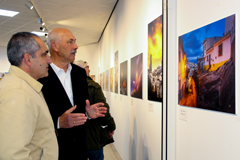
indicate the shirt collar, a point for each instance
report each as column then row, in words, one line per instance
column 57, row 69
column 26, row 77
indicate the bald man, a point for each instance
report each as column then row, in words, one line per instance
column 66, row 93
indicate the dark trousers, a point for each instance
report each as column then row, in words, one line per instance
column 72, row 150
column 96, row 154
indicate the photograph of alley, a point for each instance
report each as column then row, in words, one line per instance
column 206, row 67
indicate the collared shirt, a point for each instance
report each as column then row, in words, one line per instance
column 25, row 120
column 65, row 78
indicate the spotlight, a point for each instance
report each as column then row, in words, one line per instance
column 29, row 5
column 42, row 28
column 41, row 21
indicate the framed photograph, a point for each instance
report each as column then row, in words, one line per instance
column 107, row 80
column 111, row 79
column 123, row 78
column 155, row 59
column 206, row 67
column 116, row 72
column 103, row 82
column 136, row 76
column 93, row 77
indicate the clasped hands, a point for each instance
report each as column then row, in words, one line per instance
column 69, row 119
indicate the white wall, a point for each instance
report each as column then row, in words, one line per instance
column 138, row 133
column 172, row 88
column 90, row 54
column 206, row 135
column 4, row 63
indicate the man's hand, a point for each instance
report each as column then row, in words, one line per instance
column 69, row 119
column 96, row 110
column 110, row 133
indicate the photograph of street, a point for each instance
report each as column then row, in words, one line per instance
column 206, row 67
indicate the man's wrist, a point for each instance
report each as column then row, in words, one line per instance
column 58, row 127
column 87, row 116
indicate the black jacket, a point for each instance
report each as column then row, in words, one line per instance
column 72, row 141
column 97, row 136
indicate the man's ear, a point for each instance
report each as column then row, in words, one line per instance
column 27, row 59
column 54, row 45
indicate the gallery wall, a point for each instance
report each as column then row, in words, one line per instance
column 172, row 69
column 201, row 133
column 90, row 54
column 138, row 133
column 193, row 133
column 4, row 64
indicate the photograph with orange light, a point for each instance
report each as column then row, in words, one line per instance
column 111, row 79
column 155, row 83
column 107, row 80
column 103, row 81
column 93, row 77
column 116, row 72
column 136, row 76
column 206, row 67
column 123, row 78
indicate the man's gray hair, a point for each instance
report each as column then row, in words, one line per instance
column 20, row 44
column 52, row 36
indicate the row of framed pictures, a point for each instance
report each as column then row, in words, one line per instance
column 206, row 67
column 154, row 69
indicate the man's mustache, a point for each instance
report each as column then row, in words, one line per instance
column 73, row 51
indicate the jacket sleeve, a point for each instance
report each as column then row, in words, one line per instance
column 17, row 121
column 96, row 95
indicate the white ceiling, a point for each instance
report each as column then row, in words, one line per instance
column 85, row 18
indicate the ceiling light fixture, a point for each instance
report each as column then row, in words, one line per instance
column 41, row 21
column 42, row 28
column 39, row 33
column 29, row 5
column 8, row 13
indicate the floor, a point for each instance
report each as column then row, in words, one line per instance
column 110, row 153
